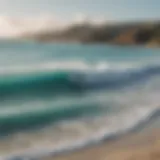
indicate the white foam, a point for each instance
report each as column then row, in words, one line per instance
column 68, row 66
column 102, row 128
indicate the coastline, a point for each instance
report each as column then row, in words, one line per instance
column 149, row 46
column 76, row 42
column 143, row 145
column 143, row 140
column 133, row 138
column 123, row 34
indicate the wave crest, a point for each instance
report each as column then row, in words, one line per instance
column 63, row 81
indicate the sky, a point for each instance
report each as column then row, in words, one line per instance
column 119, row 10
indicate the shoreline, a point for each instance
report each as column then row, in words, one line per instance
column 149, row 46
column 141, row 137
column 142, row 131
column 17, row 39
column 144, row 145
column 106, row 143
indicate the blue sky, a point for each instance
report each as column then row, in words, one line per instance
column 111, row 9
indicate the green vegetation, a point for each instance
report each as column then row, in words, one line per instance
column 147, row 33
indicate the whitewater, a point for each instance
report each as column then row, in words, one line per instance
column 59, row 97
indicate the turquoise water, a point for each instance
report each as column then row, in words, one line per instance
column 56, row 97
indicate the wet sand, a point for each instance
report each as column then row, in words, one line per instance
column 139, row 146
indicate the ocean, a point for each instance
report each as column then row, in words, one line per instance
column 60, row 97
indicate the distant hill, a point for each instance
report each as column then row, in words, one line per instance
column 146, row 33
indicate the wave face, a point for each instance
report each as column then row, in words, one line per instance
column 61, row 97
column 63, row 82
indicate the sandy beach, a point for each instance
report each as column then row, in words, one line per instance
column 140, row 146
